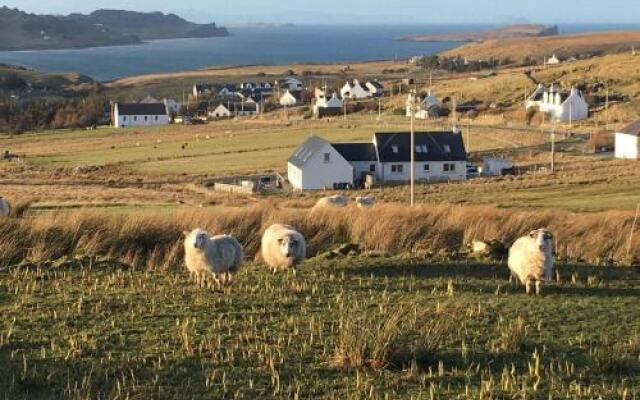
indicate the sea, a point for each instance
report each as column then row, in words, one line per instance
column 251, row 45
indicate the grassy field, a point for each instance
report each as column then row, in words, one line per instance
column 349, row 329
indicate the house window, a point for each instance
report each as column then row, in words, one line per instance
column 146, row 118
column 426, row 168
column 124, row 118
column 397, row 168
column 418, row 149
column 447, row 148
column 156, row 117
column 372, row 168
column 394, row 149
column 449, row 167
column 327, row 157
column 425, row 149
column 135, row 118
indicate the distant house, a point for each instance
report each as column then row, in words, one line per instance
column 202, row 89
column 553, row 60
column 173, row 106
column 291, row 84
column 318, row 164
column 427, row 108
column 137, row 114
column 242, row 109
column 627, row 143
column 536, row 97
column 375, row 88
column 354, row 91
column 325, row 108
column 290, row 99
column 562, row 105
column 228, row 90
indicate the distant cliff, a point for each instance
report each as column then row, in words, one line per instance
column 23, row 31
column 508, row 32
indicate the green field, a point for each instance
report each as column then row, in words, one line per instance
column 353, row 328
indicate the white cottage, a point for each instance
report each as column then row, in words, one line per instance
column 316, row 164
column 235, row 109
column 330, row 107
column 289, row 98
column 354, row 91
column 560, row 105
column 429, row 107
column 375, row 88
column 553, row 60
column 627, row 142
column 137, row 114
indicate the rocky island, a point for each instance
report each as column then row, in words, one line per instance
column 507, row 32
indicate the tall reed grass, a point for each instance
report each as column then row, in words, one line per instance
column 155, row 240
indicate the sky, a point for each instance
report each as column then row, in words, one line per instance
column 231, row 12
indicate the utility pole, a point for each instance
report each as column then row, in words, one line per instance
column 413, row 150
column 606, row 110
column 344, row 106
column 553, row 149
column 379, row 109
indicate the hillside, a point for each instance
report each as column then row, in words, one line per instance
column 22, row 31
column 507, row 32
column 538, row 47
column 24, row 81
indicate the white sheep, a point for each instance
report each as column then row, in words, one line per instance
column 365, row 201
column 5, row 208
column 219, row 255
column 283, row 247
column 531, row 259
column 336, row 201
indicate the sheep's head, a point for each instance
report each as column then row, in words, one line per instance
column 543, row 238
column 198, row 238
column 288, row 245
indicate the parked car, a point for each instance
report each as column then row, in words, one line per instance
column 472, row 171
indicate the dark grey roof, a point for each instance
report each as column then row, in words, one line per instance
column 632, row 129
column 356, row 151
column 376, row 84
column 538, row 96
column 306, row 150
column 142, row 109
column 436, row 143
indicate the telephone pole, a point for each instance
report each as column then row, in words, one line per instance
column 553, row 149
column 413, row 150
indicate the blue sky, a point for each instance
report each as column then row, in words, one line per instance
column 362, row 11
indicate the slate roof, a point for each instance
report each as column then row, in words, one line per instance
column 436, row 144
column 142, row 109
column 376, row 84
column 306, row 150
column 632, row 129
column 356, row 151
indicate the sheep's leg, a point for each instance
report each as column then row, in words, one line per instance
column 538, row 287
column 528, row 286
column 295, row 272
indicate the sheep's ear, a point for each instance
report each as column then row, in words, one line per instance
column 185, row 233
column 533, row 234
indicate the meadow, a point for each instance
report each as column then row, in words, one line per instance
column 96, row 302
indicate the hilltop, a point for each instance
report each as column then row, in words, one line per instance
column 588, row 44
column 507, row 32
column 23, row 31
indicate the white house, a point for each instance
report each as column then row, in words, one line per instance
column 536, row 97
column 439, row 156
column 427, row 108
column 495, row 166
column 627, row 142
column 289, row 99
column 242, row 109
column 561, row 105
column 291, row 84
column 137, row 114
column 316, row 164
column 330, row 107
column 553, row 60
column 228, row 90
column 354, row 91
column 375, row 88
column 173, row 106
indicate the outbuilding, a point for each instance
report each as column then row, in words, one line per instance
column 626, row 141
